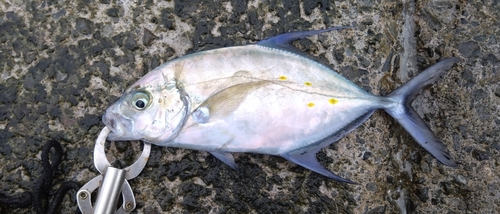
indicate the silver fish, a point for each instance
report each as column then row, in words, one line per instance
column 266, row 98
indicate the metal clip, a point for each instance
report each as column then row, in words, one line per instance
column 112, row 182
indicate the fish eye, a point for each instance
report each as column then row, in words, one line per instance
column 140, row 103
column 140, row 100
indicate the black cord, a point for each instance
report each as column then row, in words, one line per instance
column 39, row 198
column 21, row 201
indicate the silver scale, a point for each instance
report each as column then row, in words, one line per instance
column 112, row 182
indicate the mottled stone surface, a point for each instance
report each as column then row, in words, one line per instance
column 63, row 62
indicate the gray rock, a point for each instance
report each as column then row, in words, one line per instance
column 468, row 49
column 480, row 155
column 148, row 37
column 52, row 54
column 84, row 26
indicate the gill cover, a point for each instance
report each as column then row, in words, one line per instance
column 153, row 113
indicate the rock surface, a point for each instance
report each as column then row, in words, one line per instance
column 64, row 62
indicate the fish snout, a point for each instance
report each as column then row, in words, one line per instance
column 109, row 121
column 120, row 126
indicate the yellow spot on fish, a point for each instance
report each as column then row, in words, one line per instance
column 282, row 77
column 333, row 101
column 310, row 104
column 308, row 83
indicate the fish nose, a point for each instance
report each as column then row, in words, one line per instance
column 110, row 122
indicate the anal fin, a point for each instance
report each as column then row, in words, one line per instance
column 309, row 161
column 227, row 158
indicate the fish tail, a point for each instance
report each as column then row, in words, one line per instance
column 408, row 117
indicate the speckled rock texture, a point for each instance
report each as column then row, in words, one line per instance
column 63, row 62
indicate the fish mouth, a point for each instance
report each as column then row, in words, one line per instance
column 120, row 126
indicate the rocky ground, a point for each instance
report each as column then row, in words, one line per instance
column 63, row 62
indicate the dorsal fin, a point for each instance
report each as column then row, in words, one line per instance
column 283, row 41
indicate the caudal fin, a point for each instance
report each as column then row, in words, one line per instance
column 409, row 119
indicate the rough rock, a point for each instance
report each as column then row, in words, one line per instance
column 64, row 62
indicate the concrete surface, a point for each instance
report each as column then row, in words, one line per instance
column 63, row 62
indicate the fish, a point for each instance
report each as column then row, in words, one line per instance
column 267, row 98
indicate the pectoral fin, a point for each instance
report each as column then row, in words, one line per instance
column 227, row 158
column 309, row 161
column 225, row 102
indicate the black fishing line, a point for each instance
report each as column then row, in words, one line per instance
column 39, row 198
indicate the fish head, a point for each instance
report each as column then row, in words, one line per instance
column 150, row 111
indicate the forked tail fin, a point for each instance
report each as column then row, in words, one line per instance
column 409, row 119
